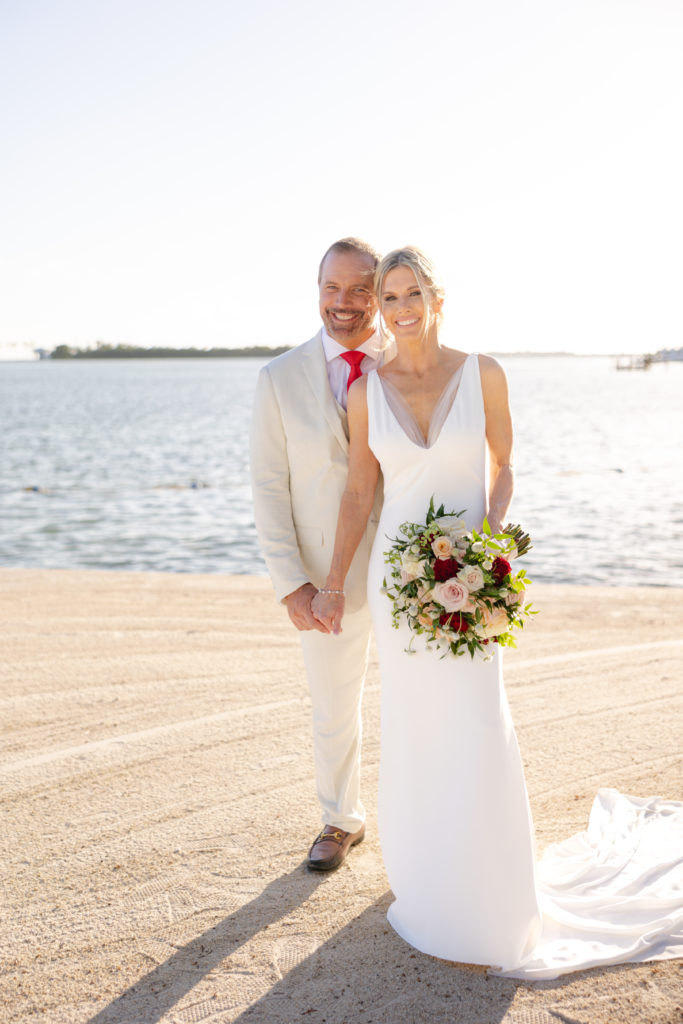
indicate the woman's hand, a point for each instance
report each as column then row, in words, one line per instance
column 328, row 609
column 494, row 523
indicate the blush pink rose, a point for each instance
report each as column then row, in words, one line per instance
column 452, row 595
column 495, row 622
column 472, row 577
column 442, row 547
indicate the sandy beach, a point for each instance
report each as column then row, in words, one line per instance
column 158, row 801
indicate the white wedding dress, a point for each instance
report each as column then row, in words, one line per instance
column 454, row 819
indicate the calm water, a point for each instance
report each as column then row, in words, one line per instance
column 143, row 464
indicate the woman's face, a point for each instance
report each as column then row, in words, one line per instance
column 402, row 305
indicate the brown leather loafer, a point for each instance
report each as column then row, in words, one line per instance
column 331, row 846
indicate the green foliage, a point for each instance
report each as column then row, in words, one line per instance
column 103, row 350
column 62, row 352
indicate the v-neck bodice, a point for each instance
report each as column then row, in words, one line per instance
column 406, row 418
column 455, row 451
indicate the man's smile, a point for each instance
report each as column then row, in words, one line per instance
column 343, row 316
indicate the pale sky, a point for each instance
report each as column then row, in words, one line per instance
column 172, row 171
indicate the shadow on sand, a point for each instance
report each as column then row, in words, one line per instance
column 339, row 982
column 162, row 988
column 366, row 974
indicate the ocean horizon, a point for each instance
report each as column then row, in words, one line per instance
column 143, row 465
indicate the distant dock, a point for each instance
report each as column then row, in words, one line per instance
column 664, row 355
column 634, row 362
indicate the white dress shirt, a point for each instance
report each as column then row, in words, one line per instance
column 338, row 370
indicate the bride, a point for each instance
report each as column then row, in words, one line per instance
column 454, row 819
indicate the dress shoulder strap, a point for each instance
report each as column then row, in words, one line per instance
column 470, row 385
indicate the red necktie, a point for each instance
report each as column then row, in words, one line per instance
column 354, row 359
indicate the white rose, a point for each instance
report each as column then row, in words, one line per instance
column 452, row 525
column 411, row 567
column 512, row 598
column 472, row 577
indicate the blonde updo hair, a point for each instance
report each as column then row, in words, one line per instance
column 428, row 280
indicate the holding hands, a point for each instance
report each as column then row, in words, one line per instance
column 328, row 608
column 299, row 609
column 321, row 610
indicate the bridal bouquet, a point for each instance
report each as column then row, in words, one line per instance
column 455, row 586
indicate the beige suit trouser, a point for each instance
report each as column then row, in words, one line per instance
column 336, row 667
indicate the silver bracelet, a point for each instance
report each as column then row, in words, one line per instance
column 328, row 590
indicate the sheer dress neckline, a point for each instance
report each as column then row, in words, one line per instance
column 405, row 418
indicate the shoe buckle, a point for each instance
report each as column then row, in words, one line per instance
column 338, row 836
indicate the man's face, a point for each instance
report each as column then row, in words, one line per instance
column 347, row 302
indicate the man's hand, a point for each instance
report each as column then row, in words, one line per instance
column 299, row 608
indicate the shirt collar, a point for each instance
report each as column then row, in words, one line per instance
column 370, row 347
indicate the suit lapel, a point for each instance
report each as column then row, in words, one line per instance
column 315, row 371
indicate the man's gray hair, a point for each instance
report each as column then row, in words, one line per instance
column 352, row 245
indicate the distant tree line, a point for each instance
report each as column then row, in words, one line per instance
column 105, row 351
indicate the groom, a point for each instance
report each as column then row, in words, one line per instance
column 299, row 460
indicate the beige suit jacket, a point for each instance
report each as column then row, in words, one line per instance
column 299, row 462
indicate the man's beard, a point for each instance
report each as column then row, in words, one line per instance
column 345, row 332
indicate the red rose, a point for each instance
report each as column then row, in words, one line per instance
column 455, row 620
column 500, row 569
column 446, row 569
